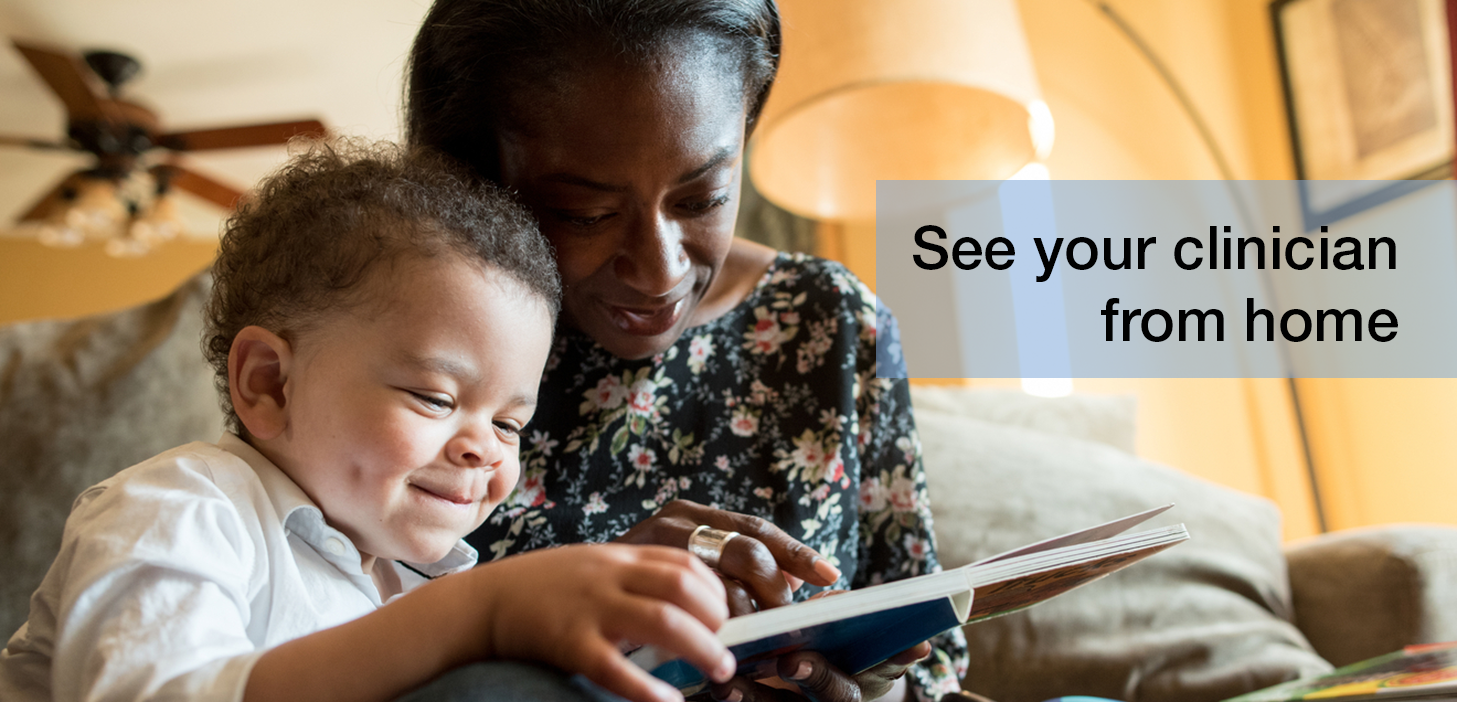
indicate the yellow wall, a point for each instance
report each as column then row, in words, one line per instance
column 38, row 282
column 1382, row 450
column 1385, row 449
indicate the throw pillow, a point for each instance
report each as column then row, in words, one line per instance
column 81, row 400
column 1106, row 419
column 1206, row 620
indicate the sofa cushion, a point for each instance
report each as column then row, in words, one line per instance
column 1364, row 592
column 82, row 399
column 1105, row 419
column 1206, row 620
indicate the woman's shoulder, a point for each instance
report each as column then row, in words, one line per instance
column 818, row 280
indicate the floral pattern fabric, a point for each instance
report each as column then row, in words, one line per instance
column 773, row 409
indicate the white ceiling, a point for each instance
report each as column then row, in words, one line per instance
column 209, row 63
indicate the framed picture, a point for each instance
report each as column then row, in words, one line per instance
column 1368, row 86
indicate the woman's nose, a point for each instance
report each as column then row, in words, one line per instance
column 653, row 260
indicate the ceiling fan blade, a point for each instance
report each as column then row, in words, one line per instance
column 45, row 203
column 175, row 176
column 236, row 137
column 8, row 140
column 69, row 80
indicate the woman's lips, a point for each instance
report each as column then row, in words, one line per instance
column 647, row 321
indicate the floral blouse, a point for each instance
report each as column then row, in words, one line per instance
column 773, row 409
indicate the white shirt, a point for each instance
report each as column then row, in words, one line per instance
column 176, row 574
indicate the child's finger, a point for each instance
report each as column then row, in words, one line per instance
column 606, row 667
column 684, row 559
column 653, row 621
column 680, row 586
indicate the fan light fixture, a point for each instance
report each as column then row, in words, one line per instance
column 130, row 214
column 120, row 200
column 906, row 90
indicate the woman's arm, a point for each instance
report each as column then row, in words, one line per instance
column 895, row 528
column 896, row 539
column 896, row 513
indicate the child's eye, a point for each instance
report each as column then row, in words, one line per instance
column 432, row 401
column 509, row 428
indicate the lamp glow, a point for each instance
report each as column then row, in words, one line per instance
column 906, row 90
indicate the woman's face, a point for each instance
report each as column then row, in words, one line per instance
column 633, row 172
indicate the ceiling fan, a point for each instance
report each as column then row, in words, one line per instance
column 123, row 196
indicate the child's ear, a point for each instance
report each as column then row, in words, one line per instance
column 258, row 368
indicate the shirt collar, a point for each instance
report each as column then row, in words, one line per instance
column 302, row 517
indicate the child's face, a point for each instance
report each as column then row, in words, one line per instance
column 404, row 415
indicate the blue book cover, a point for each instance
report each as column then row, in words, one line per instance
column 857, row 630
column 853, row 644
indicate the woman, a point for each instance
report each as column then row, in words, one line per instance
column 691, row 368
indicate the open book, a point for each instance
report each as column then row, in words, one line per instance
column 856, row 630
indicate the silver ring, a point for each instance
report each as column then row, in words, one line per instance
column 708, row 543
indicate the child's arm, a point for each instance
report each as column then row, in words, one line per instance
column 568, row 607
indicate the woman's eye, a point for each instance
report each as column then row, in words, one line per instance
column 432, row 401
column 701, row 206
column 579, row 220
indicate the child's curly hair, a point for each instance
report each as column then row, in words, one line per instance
column 322, row 222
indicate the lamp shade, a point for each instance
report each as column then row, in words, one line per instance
column 903, row 90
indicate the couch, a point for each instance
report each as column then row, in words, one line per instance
column 1230, row 611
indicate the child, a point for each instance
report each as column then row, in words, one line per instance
column 378, row 326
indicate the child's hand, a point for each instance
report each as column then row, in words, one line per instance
column 571, row 606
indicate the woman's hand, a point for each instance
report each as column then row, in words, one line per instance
column 820, row 681
column 761, row 567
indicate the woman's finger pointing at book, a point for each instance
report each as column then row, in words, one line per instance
column 750, row 562
column 755, row 558
column 793, row 557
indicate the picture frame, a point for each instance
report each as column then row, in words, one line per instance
column 1368, row 92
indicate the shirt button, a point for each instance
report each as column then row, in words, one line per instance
column 334, row 546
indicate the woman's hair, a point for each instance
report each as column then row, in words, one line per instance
column 317, row 227
column 472, row 56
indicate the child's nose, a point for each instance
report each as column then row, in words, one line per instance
column 475, row 448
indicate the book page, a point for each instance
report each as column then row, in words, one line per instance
column 1007, row 596
column 1097, row 533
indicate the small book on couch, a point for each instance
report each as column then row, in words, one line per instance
column 857, row 630
column 1424, row 672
